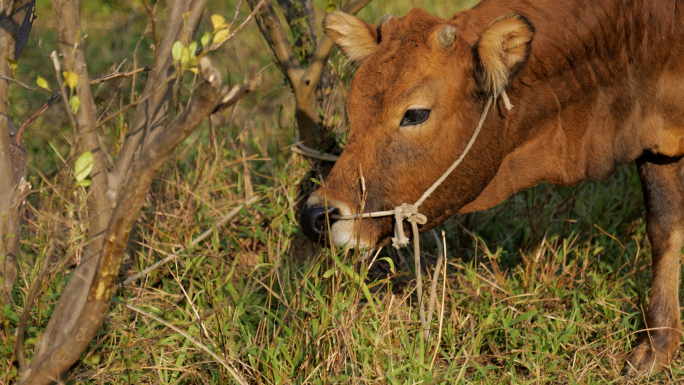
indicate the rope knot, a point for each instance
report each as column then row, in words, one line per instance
column 411, row 214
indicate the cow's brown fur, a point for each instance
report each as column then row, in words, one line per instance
column 601, row 84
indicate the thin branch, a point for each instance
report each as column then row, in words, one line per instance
column 237, row 12
column 18, row 137
column 118, row 75
column 71, row 48
column 62, row 91
column 216, row 46
column 191, row 20
column 285, row 58
column 238, row 92
column 22, row 84
column 304, row 82
column 158, row 93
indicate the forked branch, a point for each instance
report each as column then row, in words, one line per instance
column 77, row 329
column 304, row 81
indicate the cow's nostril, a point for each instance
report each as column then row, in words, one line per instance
column 320, row 223
column 313, row 220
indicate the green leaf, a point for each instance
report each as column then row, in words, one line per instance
column 71, row 79
column 193, row 48
column 92, row 361
column 74, row 103
column 330, row 7
column 83, row 166
column 330, row 272
column 523, row 317
column 316, row 181
column 221, row 35
column 185, row 56
column 176, row 50
column 218, row 21
column 391, row 263
column 42, row 83
column 368, row 295
column 83, row 183
column 13, row 64
column 206, row 39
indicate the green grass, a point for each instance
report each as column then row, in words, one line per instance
column 546, row 288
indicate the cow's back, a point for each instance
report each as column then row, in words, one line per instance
column 604, row 83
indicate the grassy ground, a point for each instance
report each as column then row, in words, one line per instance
column 547, row 288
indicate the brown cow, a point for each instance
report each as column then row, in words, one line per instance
column 593, row 84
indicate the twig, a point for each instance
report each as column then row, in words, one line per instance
column 117, row 75
column 62, row 90
column 237, row 12
column 19, row 345
column 223, row 362
column 56, row 95
column 218, row 45
column 276, row 38
column 238, row 92
column 18, row 137
column 195, row 241
column 24, row 85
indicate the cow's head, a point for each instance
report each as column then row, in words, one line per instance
column 414, row 103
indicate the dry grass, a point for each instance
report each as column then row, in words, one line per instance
column 547, row 288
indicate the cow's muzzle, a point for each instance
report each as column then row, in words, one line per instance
column 343, row 232
column 314, row 221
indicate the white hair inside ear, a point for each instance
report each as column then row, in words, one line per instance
column 503, row 48
column 357, row 39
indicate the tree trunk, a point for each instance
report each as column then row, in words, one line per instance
column 15, row 26
column 116, row 197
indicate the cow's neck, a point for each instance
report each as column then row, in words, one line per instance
column 598, row 91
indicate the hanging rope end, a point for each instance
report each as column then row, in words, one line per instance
column 506, row 101
column 399, row 243
column 411, row 214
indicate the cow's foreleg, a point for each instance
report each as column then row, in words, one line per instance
column 662, row 180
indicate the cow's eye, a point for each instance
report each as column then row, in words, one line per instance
column 414, row 117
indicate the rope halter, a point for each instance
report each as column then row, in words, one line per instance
column 409, row 212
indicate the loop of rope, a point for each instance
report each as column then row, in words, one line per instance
column 411, row 214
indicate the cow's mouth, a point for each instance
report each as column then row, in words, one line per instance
column 316, row 216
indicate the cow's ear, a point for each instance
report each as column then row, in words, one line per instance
column 501, row 51
column 356, row 38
